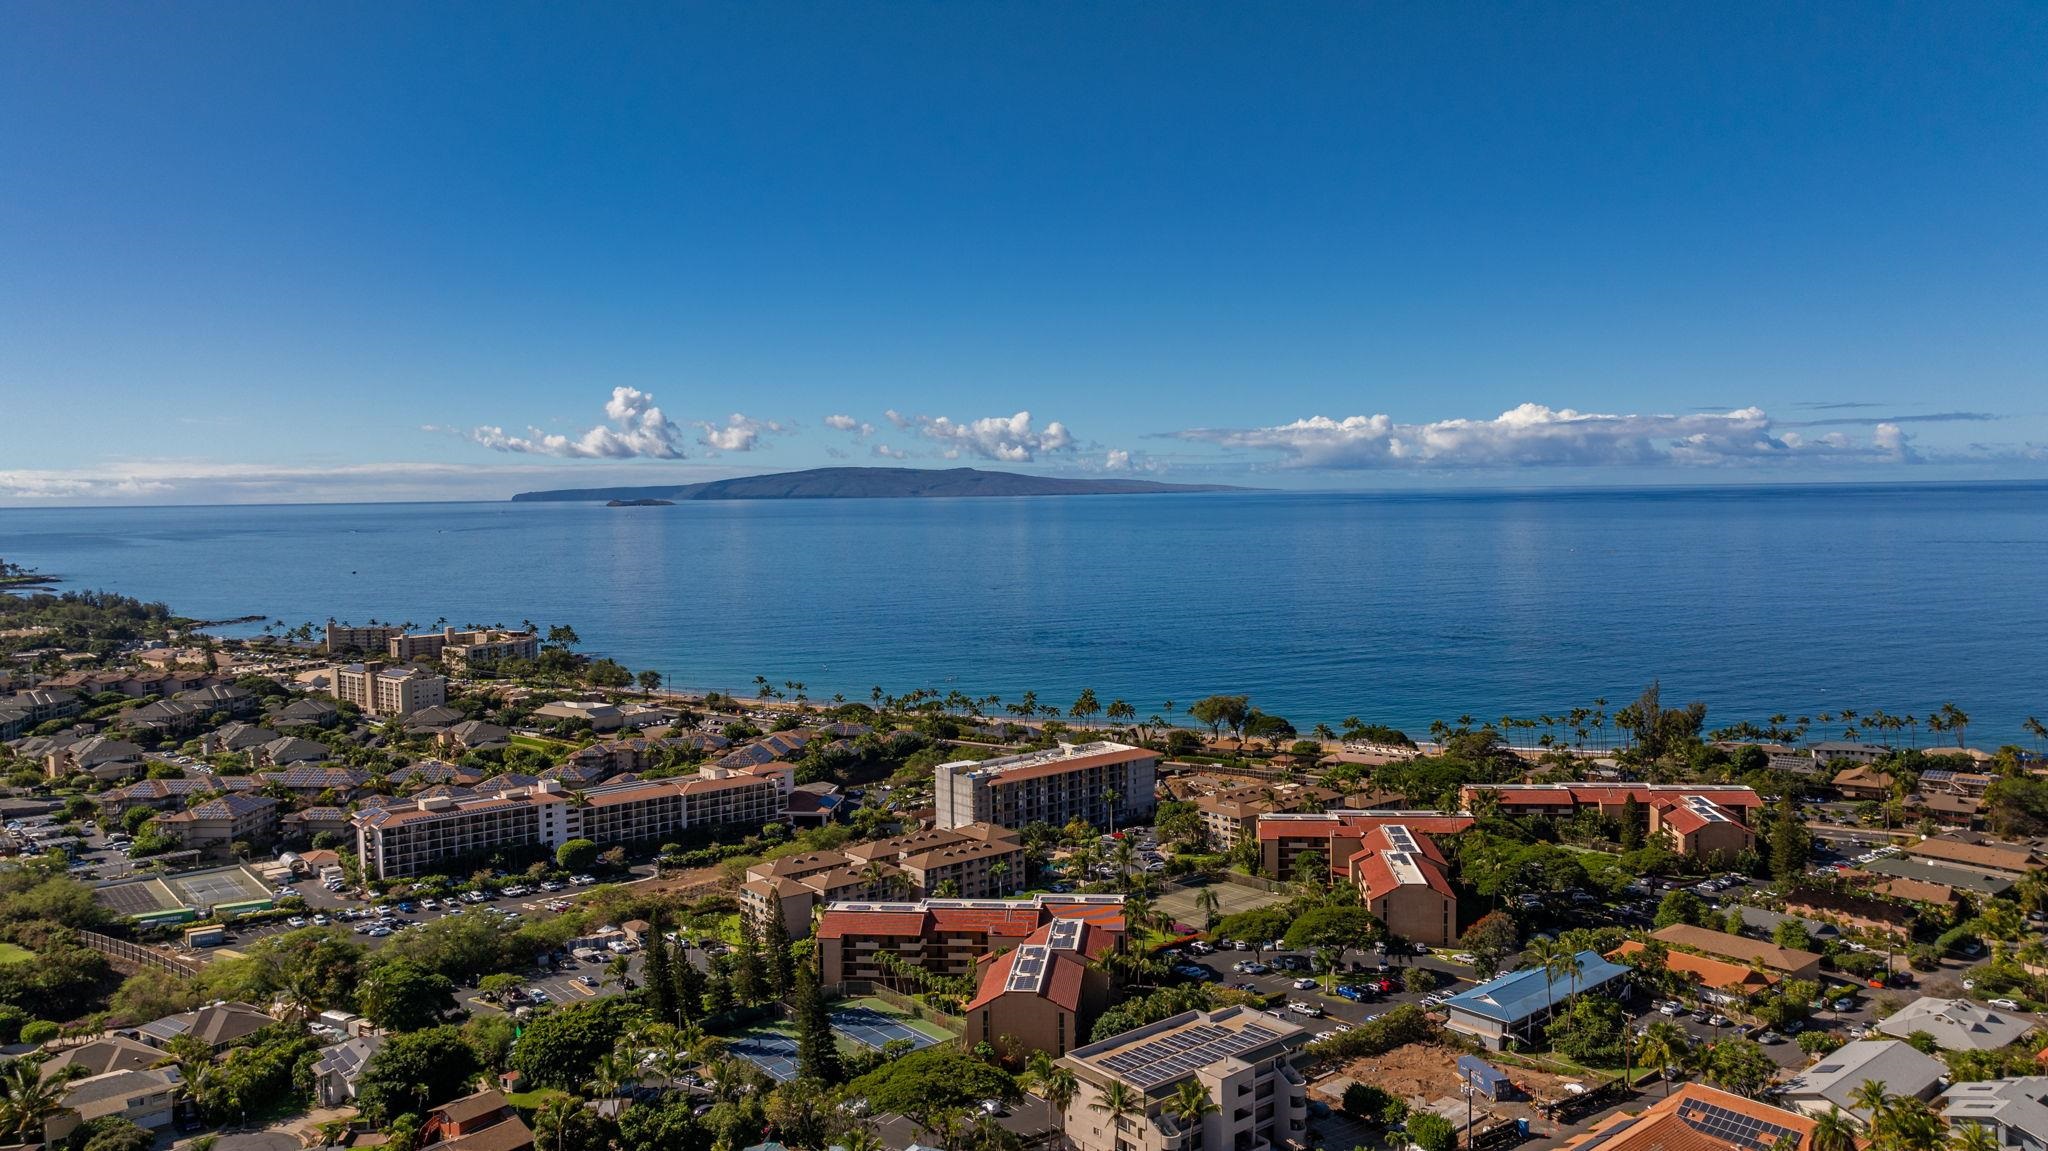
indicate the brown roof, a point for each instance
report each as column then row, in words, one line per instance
column 470, row 1108
column 1693, row 1119
column 1918, row 891
column 1738, row 947
column 1716, row 973
column 2013, row 857
column 511, row 1135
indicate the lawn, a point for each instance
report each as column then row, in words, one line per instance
column 14, row 953
column 550, row 747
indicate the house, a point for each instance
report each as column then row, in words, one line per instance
column 433, row 720
column 340, row 1066
column 236, row 737
column 1787, row 962
column 217, row 1024
column 484, row 1121
column 474, row 735
column 102, row 756
column 1972, row 850
column 306, row 713
column 1239, row 1057
column 143, row 1096
column 1833, row 1081
column 285, row 751
column 1864, row 783
column 1700, row 1118
column 1957, row 1024
column 314, row 820
column 599, row 715
column 1719, row 981
column 1511, row 1006
column 2015, row 1110
column 101, row 1055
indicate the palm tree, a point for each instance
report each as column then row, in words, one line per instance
column 1664, row 1044
column 1057, row 1085
column 1210, row 905
column 1189, row 1102
column 1833, row 1131
column 1961, row 1137
column 1552, row 957
column 27, row 1100
column 1118, row 1101
column 1870, row 1096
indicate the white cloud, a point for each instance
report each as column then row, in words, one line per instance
column 885, row 452
column 737, row 434
column 1118, row 460
column 637, row 428
column 897, row 418
column 860, row 430
column 1533, row 435
column 1008, row 439
column 207, row 481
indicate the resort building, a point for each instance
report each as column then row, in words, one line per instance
column 979, row 861
column 1515, row 1004
column 1284, row 837
column 1106, row 784
column 1239, row 1056
column 389, row 691
column 342, row 639
column 424, row 834
column 215, row 825
column 877, row 942
column 1405, row 883
column 1786, row 962
column 458, row 649
column 1702, row 820
column 1700, row 1118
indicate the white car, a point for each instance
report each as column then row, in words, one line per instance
column 320, row 921
column 1670, row 1008
column 1308, row 1009
column 295, row 921
column 2002, row 1004
column 1304, row 984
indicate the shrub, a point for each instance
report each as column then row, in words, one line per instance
column 1431, row 1132
column 40, row 1031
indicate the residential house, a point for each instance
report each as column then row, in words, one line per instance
column 1699, row 1118
column 484, row 1121
column 288, row 750
column 1878, row 916
column 237, row 736
column 1865, row 784
column 306, row 713
column 1833, row 1082
column 2015, row 1110
column 473, row 735
column 143, row 1096
column 1718, row 980
column 1957, row 1024
column 159, row 794
column 216, row 1024
column 313, row 821
column 339, row 1068
column 101, row 756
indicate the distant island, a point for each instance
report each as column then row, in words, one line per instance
column 636, row 503
column 867, row 483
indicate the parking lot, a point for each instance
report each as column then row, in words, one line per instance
column 1356, row 965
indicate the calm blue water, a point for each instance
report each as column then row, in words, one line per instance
column 1398, row 608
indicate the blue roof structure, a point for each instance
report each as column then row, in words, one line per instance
column 1519, row 995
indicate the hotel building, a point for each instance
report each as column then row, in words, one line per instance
column 1405, row 883
column 458, row 648
column 1102, row 783
column 1284, row 837
column 389, row 691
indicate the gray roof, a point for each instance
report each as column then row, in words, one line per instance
column 1957, row 1024
column 1961, row 878
column 1767, row 921
column 348, row 1058
column 118, row 1085
column 2021, row 1104
column 1891, row 1062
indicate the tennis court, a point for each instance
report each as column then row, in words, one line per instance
column 871, row 1028
column 771, row 1051
column 218, row 885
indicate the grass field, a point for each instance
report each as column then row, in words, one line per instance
column 13, row 953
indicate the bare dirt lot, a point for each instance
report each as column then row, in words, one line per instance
column 1422, row 1073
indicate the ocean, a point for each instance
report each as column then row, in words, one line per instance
column 1397, row 608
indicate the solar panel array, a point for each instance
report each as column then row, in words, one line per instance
column 1064, row 935
column 1732, row 1126
column 1400, row 837
column 1176, row 1055
column 1705, row 809
column 1028, row 970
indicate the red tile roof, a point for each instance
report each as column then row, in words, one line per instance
column 836, row 924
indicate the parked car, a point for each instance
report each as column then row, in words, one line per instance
column 1304, row 984
column 2002, row 1004
column 1308, row 1009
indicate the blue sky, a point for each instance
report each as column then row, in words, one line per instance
column 268, row 251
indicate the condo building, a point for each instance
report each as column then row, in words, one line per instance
column 1103, row 783
column 389, row 691
column 1701, row 820
column 1238, row 1055
column 375, row 638
column 421, row 835
column 978, row 861
column 872, row 941
column 458, row 648
column 1284, row 837
column 1405, row 883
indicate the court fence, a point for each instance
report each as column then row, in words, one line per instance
column 856, row 988
column 122, row 951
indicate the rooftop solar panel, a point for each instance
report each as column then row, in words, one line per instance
column 1173, row 1057
column 1732, row 1126
column 1029, row 969
column 1065, row 935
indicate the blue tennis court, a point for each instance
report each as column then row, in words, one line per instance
column 871, row 1028
column 771, row 1051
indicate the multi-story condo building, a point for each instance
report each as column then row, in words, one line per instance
column 979, row 861
column 948, row 936
column 424, row 834
column 1284, row 837
column 374, row 638
column 459, row 648
column 1704, row 820
column 1042, row 995
column 1406, row 884
column 217, row 823
column 1238, row 1055
column 1103, row 783
column 389, row 691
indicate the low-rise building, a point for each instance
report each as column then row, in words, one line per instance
column 484, row 1121
column 1240, row 1057
column 601, row 716
column 1697, row 1117
column 216, row 1024
column 1718, row 980
column 216, row 824
column 1788, row 963
column 1514, row 1005
column 2014, row 1110
column 460, row 649
column 1979, row 852
column 1285, row 837
column 101, row 756
column 1865, row 784
column 875, row 942
column 1833, row 1082
column 1957, row 1024
column 1043, row 994
column 1836, row 751
column 143, row 1096
column 1706, row 821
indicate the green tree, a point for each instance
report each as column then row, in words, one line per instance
column 1431, row 1132
column 399, row 995
column 1741, row 1066
column 1833, row 1131
column 924, row 1083
column 560, row 1048
column 1681, row 906
column 816, row 1048
column 1490, row 941
column 1218, row 711
column 27, row 1099
column 1790, row 842
column 415, row 1071
column 576, row 855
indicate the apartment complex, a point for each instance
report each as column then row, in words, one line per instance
column 1284, row 837
column 1102, row 783
column 1239, row 1056
column 1703, row 820
column 217, row 823
column 948, row 936
column 978, row 861
column 342, row 638
column 389, row 691
column 1404, row 881
column 458, row 649
column 1042, row 995
column 423, row 834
